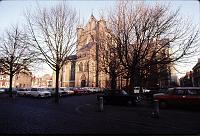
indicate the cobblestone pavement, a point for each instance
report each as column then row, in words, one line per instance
column 80, row 115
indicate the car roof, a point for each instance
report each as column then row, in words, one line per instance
column 186, row 88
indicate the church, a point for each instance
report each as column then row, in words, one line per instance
column 82, row 68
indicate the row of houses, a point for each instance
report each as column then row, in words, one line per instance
column 192, row 78
column 25, row 79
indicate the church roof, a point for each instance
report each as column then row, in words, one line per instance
column 72, row 57
column 86, row 47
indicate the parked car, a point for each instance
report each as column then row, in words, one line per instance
column 14, row 91
column 67, row 90
column 136, row 89
column 23, row 92
column 39, row 92
column 2, row 90
column 60, row 91
column 146, row 90
column 92, row 89
column 119, row 97
column 149, row 94
column 78, row 90
column 179, row 96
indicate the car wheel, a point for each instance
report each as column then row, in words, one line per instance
column 163, row 104
column 39, row 96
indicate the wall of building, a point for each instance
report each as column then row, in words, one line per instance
column 21, row 80
column 43, row 81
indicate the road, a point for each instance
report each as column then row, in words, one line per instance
column 80, row 115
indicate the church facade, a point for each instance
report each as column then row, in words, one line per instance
column 81, row 70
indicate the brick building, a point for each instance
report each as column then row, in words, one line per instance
column 196, row 74
column 21, row 80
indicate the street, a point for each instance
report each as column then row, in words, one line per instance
column 80, row 115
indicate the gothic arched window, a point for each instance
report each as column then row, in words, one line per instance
column 86, row 66
column 80, row 66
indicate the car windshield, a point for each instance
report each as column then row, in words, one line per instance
column 124, row 92
column 193, row 92
column 169, row 91
column 21, row 89
column 33, row 89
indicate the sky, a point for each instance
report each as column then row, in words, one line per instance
column 11, row 13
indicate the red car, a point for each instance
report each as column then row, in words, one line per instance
column 179, row 96
column 79, row 91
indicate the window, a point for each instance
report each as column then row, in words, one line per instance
column 86, row 66
column 124, row 92
column 179, row 92
column 81, row 67
column 192, row 92
column 93, row 67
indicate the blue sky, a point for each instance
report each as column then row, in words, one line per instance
column 11, row 13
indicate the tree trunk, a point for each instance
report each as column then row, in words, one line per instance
column 113, row 82
column 131, row 85
column 113, row 77
column 140, row 84
column 10, row 85
column 57, row 85
column 127, row 82
column 61, row 77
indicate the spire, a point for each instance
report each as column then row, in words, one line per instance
column 92, row 16
column 92, row 13
column 102, row 18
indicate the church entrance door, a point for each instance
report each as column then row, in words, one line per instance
column 83, row 83
column 83, row 80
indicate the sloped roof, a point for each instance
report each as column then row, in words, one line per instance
column 196, row 66
column 86, row 47
column 72, row 57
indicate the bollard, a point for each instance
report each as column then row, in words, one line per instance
column 155, row 113
column 100, row 104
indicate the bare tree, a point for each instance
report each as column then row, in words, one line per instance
column 54, row 34
column 109, row 61
column 15, row 53
column 149, row 36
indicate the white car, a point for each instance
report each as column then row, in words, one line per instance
column 23, row 92
column 136, row 89
column 2, row 90
column 39, row 92
column 92, row 89
column 68, row 90
column 60, row 91
column 146, row 90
